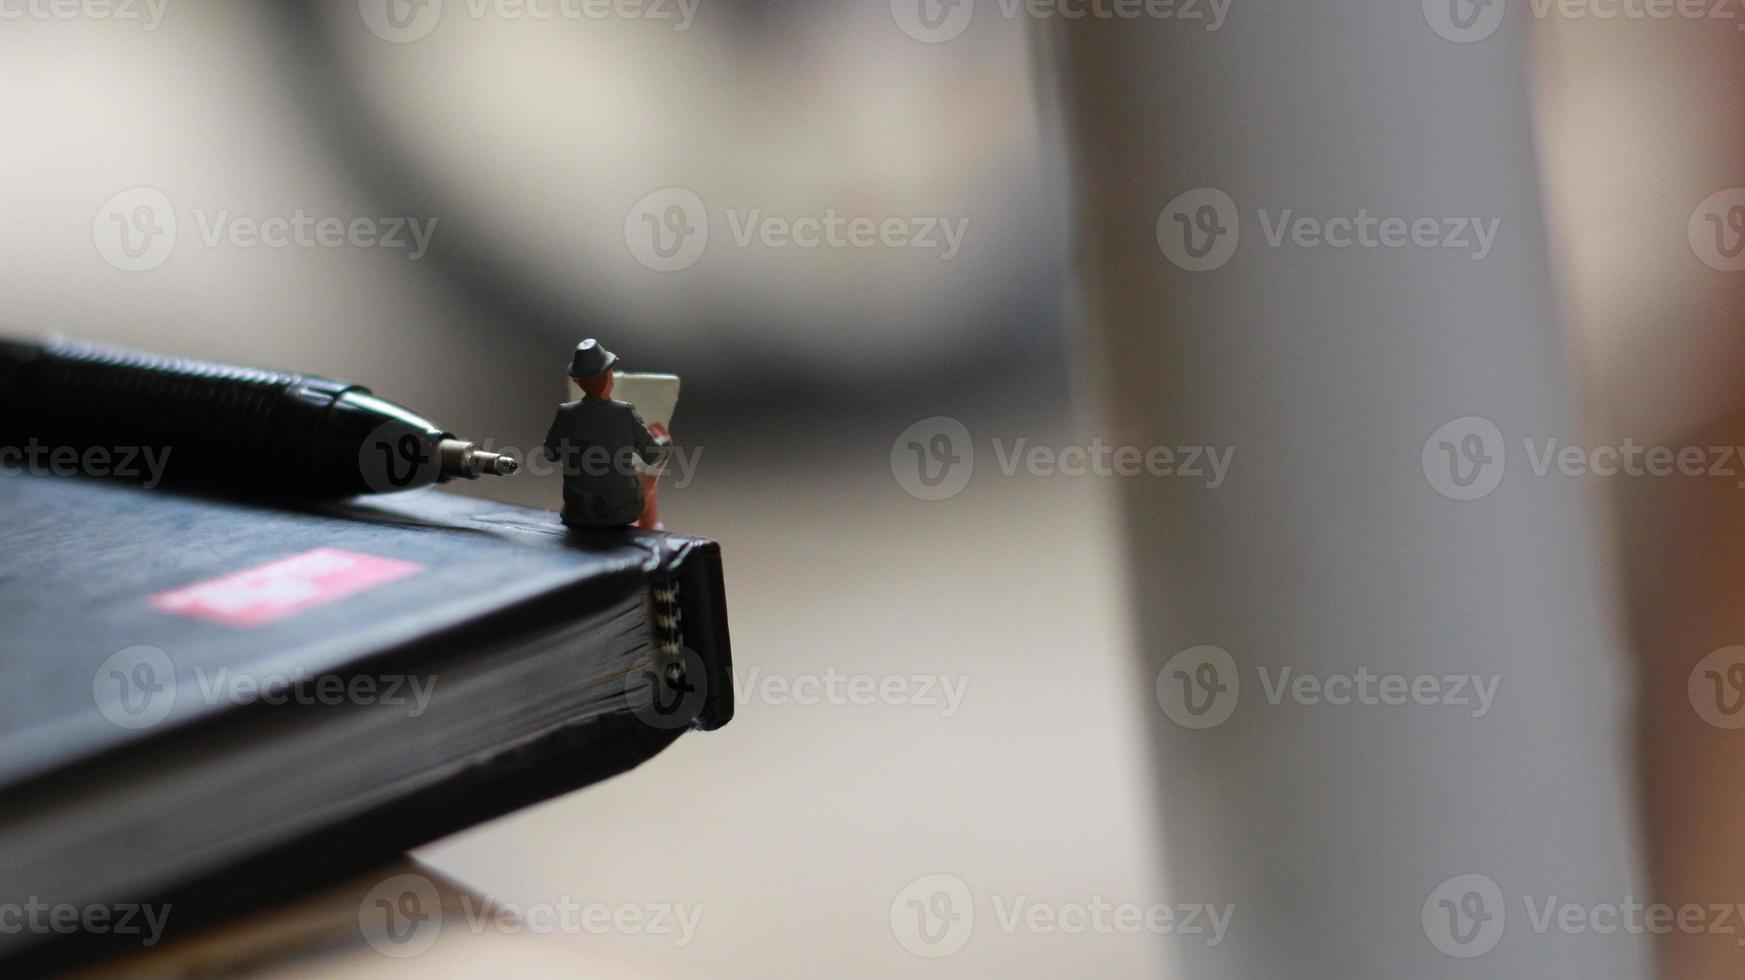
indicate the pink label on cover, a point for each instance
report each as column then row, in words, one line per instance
column 271, row 592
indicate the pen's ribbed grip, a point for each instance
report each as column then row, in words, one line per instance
column 173, row 400
column 211, row 421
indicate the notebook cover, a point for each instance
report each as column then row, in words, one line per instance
column 95, row 568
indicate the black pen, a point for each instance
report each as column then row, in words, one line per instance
column 227, row 426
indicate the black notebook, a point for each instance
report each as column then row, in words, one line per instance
column 210, row 703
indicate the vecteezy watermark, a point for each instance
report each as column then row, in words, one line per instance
column 408, row 692
column 1716, row 688
column 148, row 14
column 679, row 466
column 939, row 21
column 670, row 693
column 35, row 917
column 1466, row 21
column 1199, row 688
column 834, row 688
column 404, row 916
column 1467, row 916
column 673, row 693
column 934, row 916
column 392, row 461
column 1199, row 231
column 1717, row 230
column 136, row 688
column 1466, row 459
column 934, row 459
column 137, row 230
column 405, row 21
column 669, row 230
column 126, row 462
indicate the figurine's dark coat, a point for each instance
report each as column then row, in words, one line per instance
column 595, row 442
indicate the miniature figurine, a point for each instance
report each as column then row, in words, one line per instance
column 596, row 442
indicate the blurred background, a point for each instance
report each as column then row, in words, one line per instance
column 562, row 169
column 528, row 142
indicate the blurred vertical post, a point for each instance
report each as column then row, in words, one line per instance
column 1380, row 519
column 1658, row 295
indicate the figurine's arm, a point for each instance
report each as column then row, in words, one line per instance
column 650, row 447
column 554, row 438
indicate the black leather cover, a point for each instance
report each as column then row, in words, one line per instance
column 84, row 558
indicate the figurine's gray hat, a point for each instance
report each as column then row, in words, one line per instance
column 591, row 359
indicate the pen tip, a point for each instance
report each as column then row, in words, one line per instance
column 494, row 464
column 467, row 461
